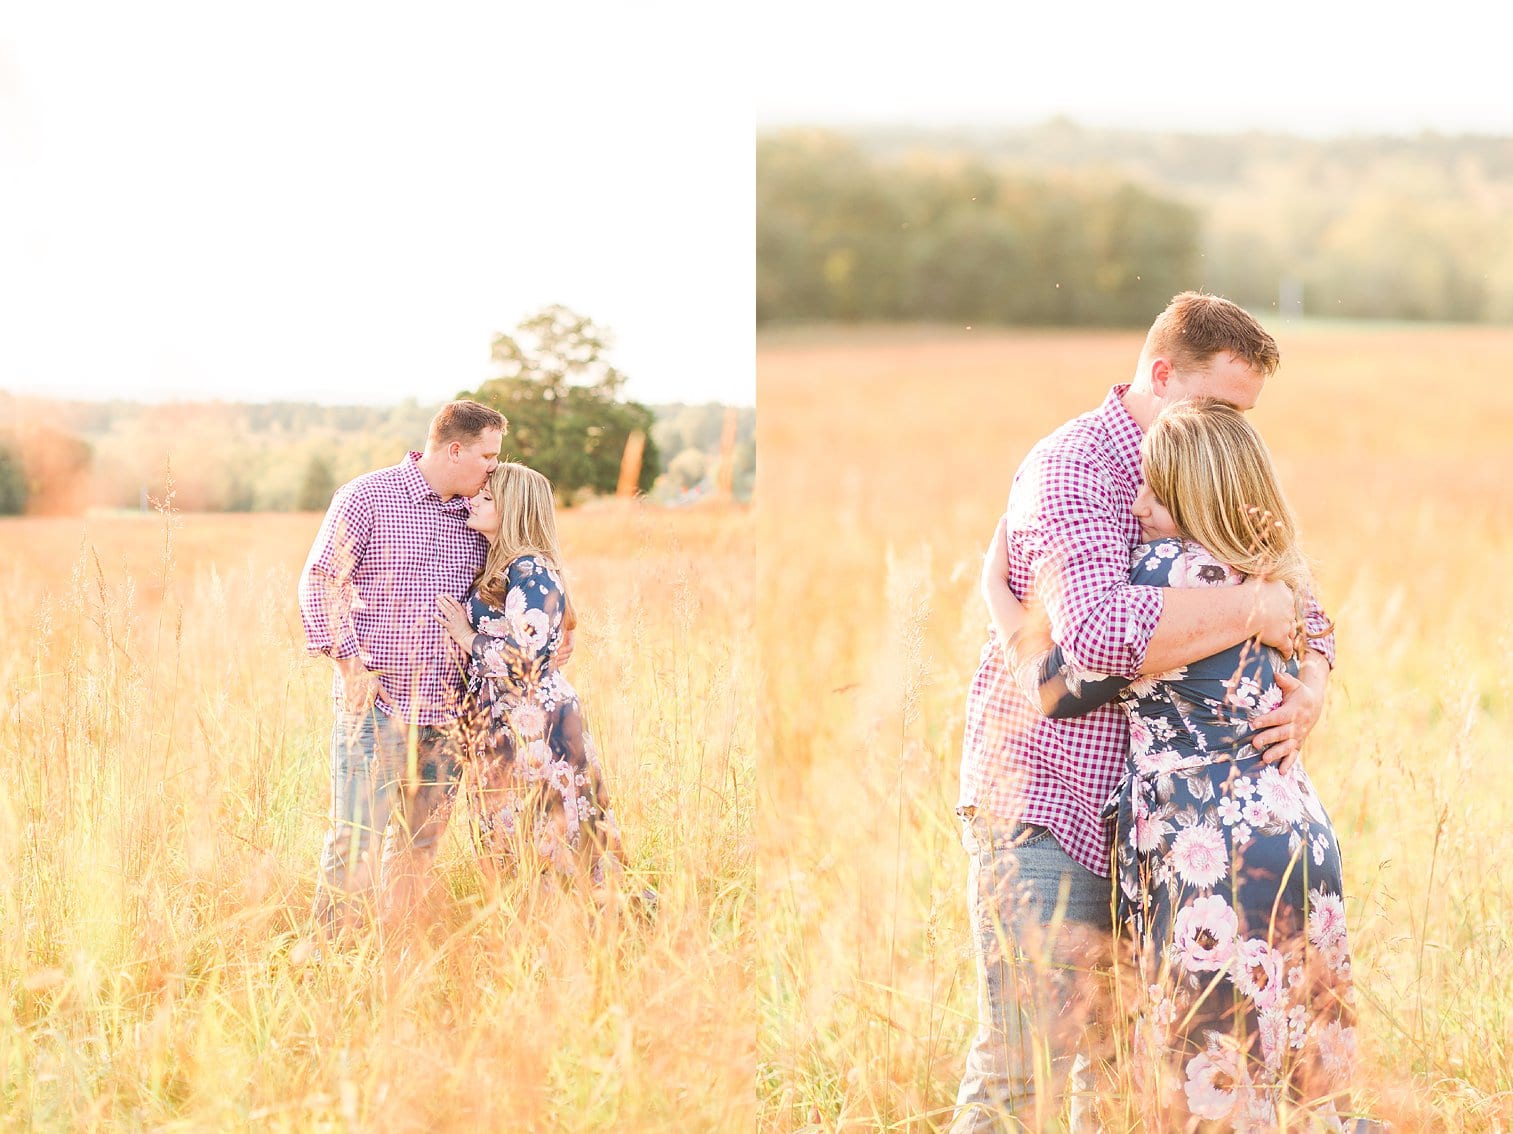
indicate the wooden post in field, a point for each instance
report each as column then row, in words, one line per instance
column 630, row 463
column 724, row 477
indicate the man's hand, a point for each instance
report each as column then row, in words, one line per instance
column 359, row 685
column 565, row 651
column 1275, row 617
column 1279, row 734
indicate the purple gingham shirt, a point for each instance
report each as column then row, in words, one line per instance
column 387, row 547
column 1071, row 533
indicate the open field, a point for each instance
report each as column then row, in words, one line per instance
column 164, row 749
column 887, row 457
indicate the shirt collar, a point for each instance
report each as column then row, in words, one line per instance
column 418, row 489
column 1124, row 433
column 410, row 476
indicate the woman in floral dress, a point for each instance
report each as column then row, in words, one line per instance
column 1229, row 876
column 536, row 791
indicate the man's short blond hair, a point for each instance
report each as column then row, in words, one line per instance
column 463, row 421
column 1195, row 327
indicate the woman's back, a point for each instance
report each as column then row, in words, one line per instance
column 1230, row 881
column 1200, row 711
column 1229, row 876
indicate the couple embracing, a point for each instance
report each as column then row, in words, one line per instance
column 435, row 588
column 1131, row 790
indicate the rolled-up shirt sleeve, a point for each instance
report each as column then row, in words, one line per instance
column 1072, row 527
column 1318, row 623
column 326, row 590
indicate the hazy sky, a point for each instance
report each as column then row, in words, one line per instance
column 311, row 200
column 1315, row 68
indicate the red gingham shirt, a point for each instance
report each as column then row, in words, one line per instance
column 387, row 547
column 1071, row 533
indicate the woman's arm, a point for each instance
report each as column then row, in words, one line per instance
column 517, row 643
column 1006, row 612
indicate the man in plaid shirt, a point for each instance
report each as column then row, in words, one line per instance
column 393, row 540
column 1032, row 788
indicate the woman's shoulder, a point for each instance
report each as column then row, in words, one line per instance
column 531, row 565
column 1172, row 562
column 527, row 561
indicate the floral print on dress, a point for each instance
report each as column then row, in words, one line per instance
column 537, row 791
column 1229, row 882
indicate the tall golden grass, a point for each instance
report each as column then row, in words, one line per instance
column 164, row 750
column 887, row 457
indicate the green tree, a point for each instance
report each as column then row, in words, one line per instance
column 562, row 398
column 318, row 485
column 13, row 487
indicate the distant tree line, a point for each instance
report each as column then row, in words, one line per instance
column 43, row 468
column 843, row 235
column 14, row 489
column 984, row 224
column 561, row 397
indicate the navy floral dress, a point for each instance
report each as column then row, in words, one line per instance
column 537, row 792
column 1229, row 882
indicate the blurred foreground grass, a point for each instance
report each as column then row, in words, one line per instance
column 164, row 748
column 887, row 457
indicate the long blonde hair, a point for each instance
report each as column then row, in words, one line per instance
column 1212, row 471
column 527, row 526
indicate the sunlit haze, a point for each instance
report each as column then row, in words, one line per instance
column 321, row 202
column 1305, row 68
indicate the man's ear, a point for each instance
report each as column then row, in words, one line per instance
column 454, row 449
column 1161, row 372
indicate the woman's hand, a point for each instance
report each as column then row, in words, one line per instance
column 1007, row 612
column 454, row 619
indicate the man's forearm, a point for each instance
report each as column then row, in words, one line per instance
column 351, row 668
column 326, row 616
column 1199, row 622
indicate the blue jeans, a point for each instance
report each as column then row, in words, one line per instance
column 392, row 785
column 1041, row 927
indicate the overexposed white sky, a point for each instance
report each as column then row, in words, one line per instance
column 1314, row 68
column 344, row 202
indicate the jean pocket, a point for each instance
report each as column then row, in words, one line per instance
column 1023, row 835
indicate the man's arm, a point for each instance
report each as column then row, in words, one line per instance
column 1198, row 622
column 1080, row 555
column 1037, row 664
column 325, row 595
